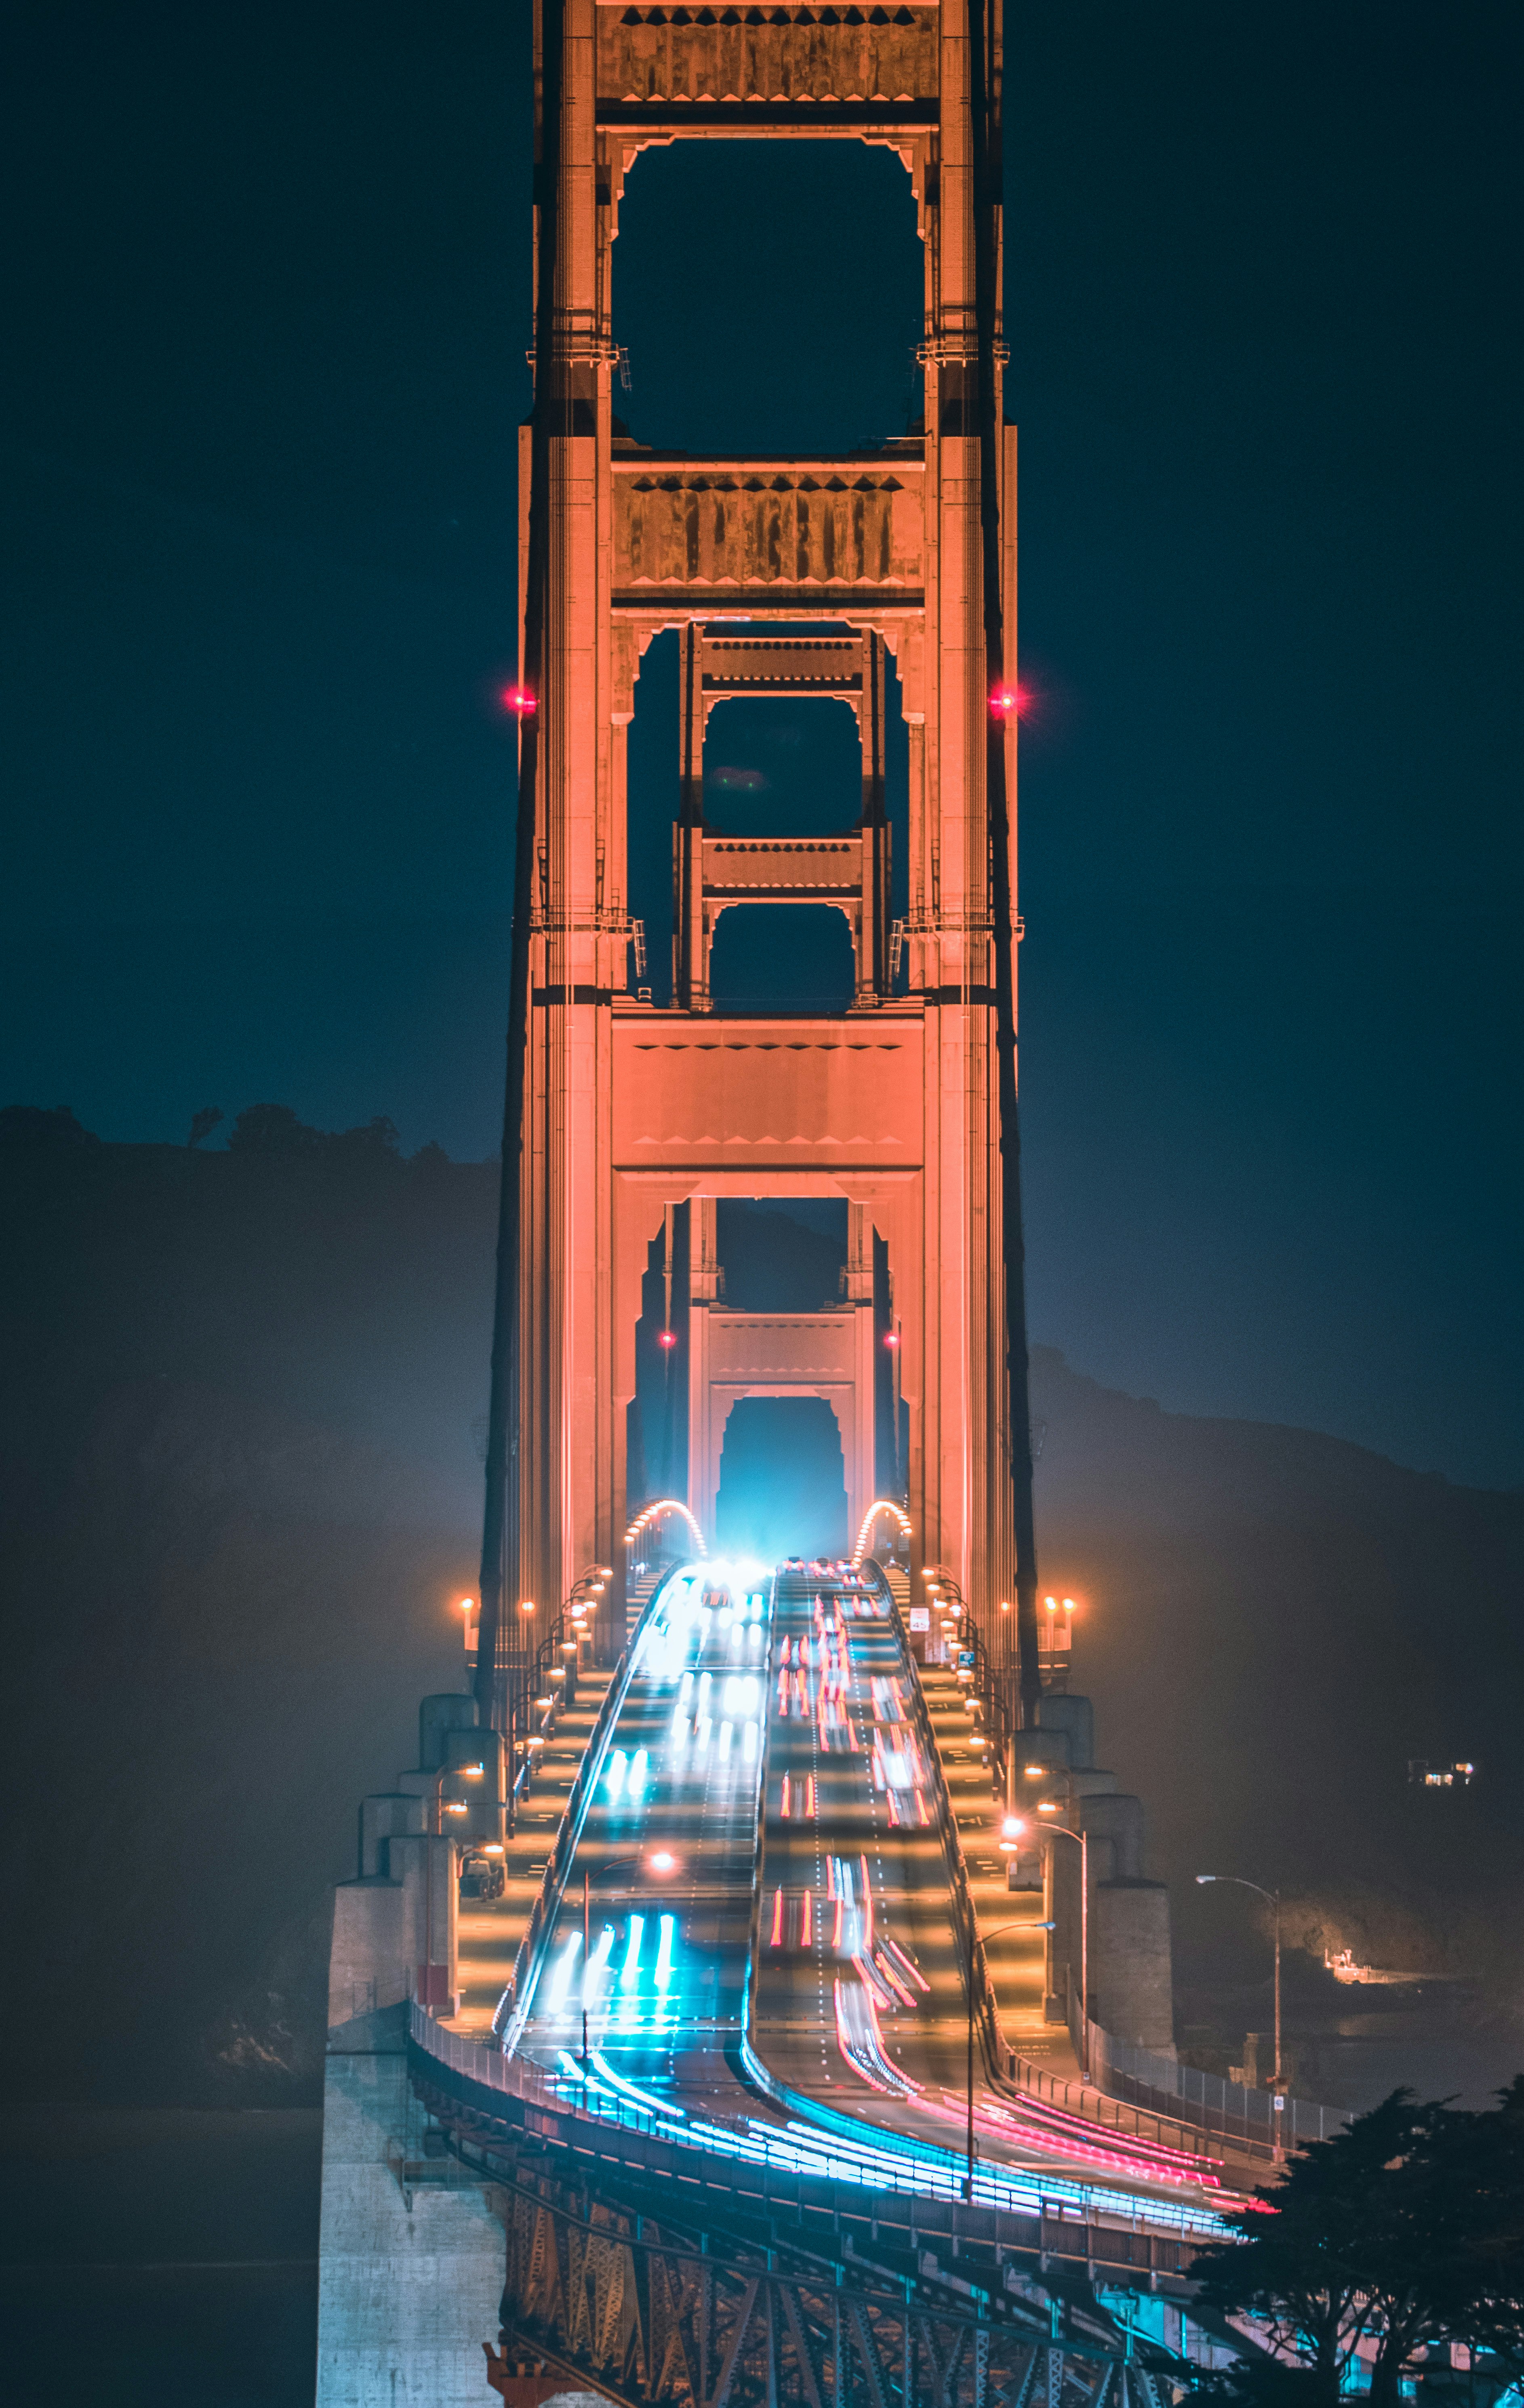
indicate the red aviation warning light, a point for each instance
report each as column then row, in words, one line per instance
column 666, row 1337
column 1008, row 701
column 518, row 699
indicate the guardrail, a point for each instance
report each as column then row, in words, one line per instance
column 965, row 1921
column 759, row 1855
column 1147, row 2079
column 1071, row 2218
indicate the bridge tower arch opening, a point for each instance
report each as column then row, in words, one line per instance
column 802, row 573
column 781, row 1487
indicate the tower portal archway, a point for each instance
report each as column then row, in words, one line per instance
column 781, row 1480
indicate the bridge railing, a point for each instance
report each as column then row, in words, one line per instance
column 480, row 2059
column 1162, row 2083
column 1067, row 2221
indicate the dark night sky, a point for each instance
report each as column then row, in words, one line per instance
column 266, row 306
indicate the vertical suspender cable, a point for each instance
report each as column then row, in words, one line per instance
column 988, row 177
column 500, row 1535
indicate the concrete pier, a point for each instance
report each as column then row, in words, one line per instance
column 413, row 2253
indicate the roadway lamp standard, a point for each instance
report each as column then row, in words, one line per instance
column 1081, row 1837
column 1237, row 1882
column 466, row 1773
column 469, row 1772
column 978, row 1941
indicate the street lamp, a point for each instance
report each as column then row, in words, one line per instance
column 1062, row 1830
column 471, row 1773
column 468, row 1772
column 1273, row 1896
column 979, row 1940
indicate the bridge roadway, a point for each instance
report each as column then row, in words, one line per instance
column 797, row 1685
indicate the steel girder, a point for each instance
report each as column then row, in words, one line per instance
column 625, row 2305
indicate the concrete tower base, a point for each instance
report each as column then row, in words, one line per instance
column 412, row 2272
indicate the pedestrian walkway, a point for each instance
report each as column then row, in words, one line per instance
column 1015, row 1969
column 492, row 1930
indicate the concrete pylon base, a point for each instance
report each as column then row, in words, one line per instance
column 411, row 2275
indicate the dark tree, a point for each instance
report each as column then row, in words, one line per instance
column 1297, row 2266
column 33, row 1125
column 1486, row 2274
column 377, row 1142
column 1404, row 2231
column 273, row 1128
column 202, row 1123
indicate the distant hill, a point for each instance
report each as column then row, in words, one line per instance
column 1275, row 1622
column 240, row 1493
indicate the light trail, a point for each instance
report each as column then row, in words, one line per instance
column 674, row 1775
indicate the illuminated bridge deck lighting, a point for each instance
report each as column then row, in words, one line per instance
column 651, row 1514
column 881, row 1505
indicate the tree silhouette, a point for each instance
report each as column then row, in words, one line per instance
column 273, row 1128
column 202, row 1123
column 1403, row 2232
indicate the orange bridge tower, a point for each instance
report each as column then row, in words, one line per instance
column 796, row 575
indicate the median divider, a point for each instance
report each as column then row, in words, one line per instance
column 757, row 2072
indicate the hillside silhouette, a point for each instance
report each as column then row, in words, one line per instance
column 240, row 1496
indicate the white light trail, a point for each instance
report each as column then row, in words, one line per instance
column 629, row 1971
column 561, row 1978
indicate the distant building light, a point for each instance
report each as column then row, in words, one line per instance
column 1422, row 1774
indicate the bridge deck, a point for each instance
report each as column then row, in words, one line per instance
column 796, row 1694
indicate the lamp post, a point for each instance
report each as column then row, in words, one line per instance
column 1237, row 1881
column 471, row 1773
column 977, row 1940
column 1061, row 1831
column 585, row 1591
